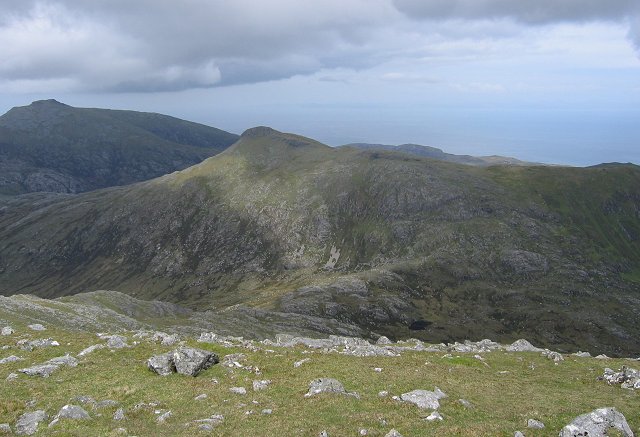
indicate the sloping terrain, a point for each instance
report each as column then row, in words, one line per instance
column 50, row 146
column 394, row 244
column 289, row 386
column 439, row 154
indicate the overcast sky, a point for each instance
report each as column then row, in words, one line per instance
column 544, row 80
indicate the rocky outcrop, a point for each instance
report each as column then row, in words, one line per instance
column 328, row 385
column 626, row 377
column 424, row 399
column 48, row 367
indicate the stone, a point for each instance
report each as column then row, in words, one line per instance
column 12, row 377
column 90, row 349
column 211, row 421
column 393, row 433
column 162, row 418
column 261, row 385
column 518, row 434
column 301, row 362
column 238, row 390
column 383, row 394
column 27, row 424
column 72, row 412
column 117, row 342
column 555, row 356
column 85, row 399
column 39, row 343
column 191, row 361
column 465, row 403
column 581, row 354
column 363, row 431
column 424, row 399
column 602, row 357
column 267, row 411
column 36, row 327
column 10, row 359
column 323, row 433
column 161, row 364
column 522, row 345
column 201, row 397
column 434, row 416
column 43, row 370
column 627, row 377
column 65, row 360
column 107, row 403
column 597, row 424
column 327, row 385
column 383, row 340
column 7, row 330
column 5, row 428
column 535, row 424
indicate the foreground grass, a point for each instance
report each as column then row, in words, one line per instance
column 508, row 390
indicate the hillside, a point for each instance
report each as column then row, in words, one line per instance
column 435, row 153
column 50, row 146
column 386, row 242
column 77, row 367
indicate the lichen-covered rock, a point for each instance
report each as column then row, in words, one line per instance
column 424, row 398
column 327, row 385
column 27, row 424
column 191, row 361
column 7, row 330
column 161, row 364
column 626, row 377
column 597, row 424
column 72, row 412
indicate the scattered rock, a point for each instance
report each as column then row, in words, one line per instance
column 161, row 364
column 10, row 359
column 7, row 330
column 602, row 357
column 267, row 411
column 597, row 423
column 518, row 434
column 210, row 422
column 72, row 412
column 626, row 377
column 238, row 390
column 47, row 368
column 33, row 344
column 117, row 342
column 323, row 433
column 383, row 340
column 465, row 403
column 12, row 377
column 363, row 431
column 383, row 393
column 424, row 398
column 90, row 349
column 119, row 415
column 27, row 424
column 162, row 418
column 555, row 356
column 327, row 385
column 190, row 361
column 5, row 428
column 107, row 403
column 201, row 397
column 301, row 362
column 36, row 327
column 393, row 433
column 582, row 354
column 522, row 345
column 85, row 400
column 535, row 424
column 434, row 416
column 261, row 385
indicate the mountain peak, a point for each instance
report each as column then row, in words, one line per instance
column 47, row 102
column 259, row 131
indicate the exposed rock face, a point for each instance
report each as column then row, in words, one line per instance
column 424, row 399
column 597, row 424
column 184, row 360
column 28, row 423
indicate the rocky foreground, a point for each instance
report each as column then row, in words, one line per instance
column 142, row 382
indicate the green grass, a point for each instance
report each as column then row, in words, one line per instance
column 533, row 387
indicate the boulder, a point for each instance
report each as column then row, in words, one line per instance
column 161, row 364
column 7, row 330
column 27, row 424
column 626, row 377
column 90, row 349
column 522, row 345
column 238, row 390
column 119, row 415
column 535, row 424
column 117, row 342
column 434, row 416
column 383, row 340
column 261, row 384
column 327, row 385
column 190, row 361
column 597, row 424
column 424, row 398
column 10, row 359
column 37, row 327
column 72, row 412
column 555, row 356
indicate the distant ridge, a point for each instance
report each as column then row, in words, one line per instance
column 435, row 153
column 51, row 146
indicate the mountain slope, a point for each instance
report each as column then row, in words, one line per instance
column 395, row 244
column 50, row 146
column 435, row 153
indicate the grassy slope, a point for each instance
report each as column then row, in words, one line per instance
column 532, row 387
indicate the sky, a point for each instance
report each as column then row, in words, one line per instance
column 554, row 81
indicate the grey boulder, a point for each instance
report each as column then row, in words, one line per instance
column 327, row 385
column 161, row 364
column 597, row 424
column 184, row 360
column 424, row 399
column 27, row 424
column 535, row 424
column 522, row 345
column 72, row 412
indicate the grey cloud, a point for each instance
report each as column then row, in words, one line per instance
column 525, row 11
